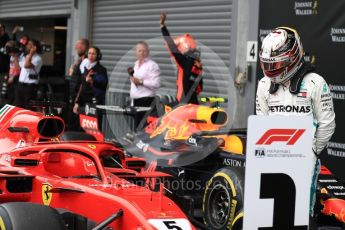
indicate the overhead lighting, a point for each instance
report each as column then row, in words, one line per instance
column 60, row 27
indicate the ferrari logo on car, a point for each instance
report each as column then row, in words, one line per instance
column 46, row 195
column 91, row 146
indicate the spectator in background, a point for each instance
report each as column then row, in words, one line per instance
column 94, row 81
column 76, row 69
column 29, row 75
column 4, row 59
column 7, row 63
column 145, row 77
column 14, row 33
column 13, row 49
column 23, row 42
column 75, row 73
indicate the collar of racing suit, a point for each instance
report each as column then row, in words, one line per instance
column 295, row 81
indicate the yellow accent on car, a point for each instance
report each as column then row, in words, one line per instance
column 228, row 179
column 167, row 109
column 233, row 144
column 2, row 224
column 213, row 118
column 91, row 146
column 240, row 215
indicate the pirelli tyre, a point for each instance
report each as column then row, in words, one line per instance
column 29, row 216
column 223, row 200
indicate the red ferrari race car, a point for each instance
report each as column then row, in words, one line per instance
column 207, row 160
column 48, row 182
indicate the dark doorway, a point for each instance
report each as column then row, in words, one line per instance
column 52, row 33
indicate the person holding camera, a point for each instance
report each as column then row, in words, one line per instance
column 13, row 50
column 29, row 75
column 4, row 59
column 94, row 81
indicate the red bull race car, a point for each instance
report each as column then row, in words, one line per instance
column 49, row 182
column 207, row 162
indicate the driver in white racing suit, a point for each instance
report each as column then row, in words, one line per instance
column 290, row 87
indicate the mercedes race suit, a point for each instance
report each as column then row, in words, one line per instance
column 313, row 99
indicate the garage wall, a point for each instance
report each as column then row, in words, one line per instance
column 25, row 8
column 118, row 25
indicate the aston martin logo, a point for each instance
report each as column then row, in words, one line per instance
column 46, row 195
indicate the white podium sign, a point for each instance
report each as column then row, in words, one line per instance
column 279, row 168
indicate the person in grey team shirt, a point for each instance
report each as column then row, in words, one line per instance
column 291, row 87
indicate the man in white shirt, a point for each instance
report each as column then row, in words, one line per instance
column 29, row 75
column 145, row 77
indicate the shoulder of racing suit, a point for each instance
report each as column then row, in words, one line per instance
column 300, row 103
column 296, row 80
column 308, row 82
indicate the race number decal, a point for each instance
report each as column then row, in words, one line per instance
column 279, row 166
column 170, row 224
column 284, row 196
column 252, row 53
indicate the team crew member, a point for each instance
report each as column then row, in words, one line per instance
column 75, row 73
column 145, row 78
column 94, row 81
column 76, row 69
column 29, row 75
column 187, row 59
column 292, row 88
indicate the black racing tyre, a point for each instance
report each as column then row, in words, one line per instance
column 29, row 216
column 223, row 200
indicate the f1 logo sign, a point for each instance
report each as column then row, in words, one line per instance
column 290, row 136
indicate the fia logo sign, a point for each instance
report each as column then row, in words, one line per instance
column 260, row 153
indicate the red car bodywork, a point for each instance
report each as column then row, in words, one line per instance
column 36, row 167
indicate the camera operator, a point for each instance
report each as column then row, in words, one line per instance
column 23, row 41
column 29, row 75
column 4, row 58
column 13, row 50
